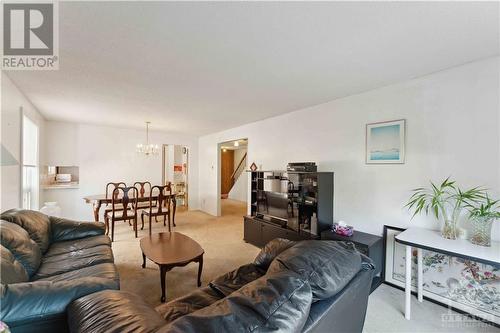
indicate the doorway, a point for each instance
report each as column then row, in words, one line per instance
column 175, row 167
column 233, row 179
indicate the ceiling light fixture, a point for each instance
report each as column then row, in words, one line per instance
column 148, row 148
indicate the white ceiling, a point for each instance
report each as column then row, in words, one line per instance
column 202, row 67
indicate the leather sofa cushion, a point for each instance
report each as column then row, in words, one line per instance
column 12, row 271
column 105, row 270
column 26, row 302
column 328, row 266
column 35, row 223
column 77, row 244
column 232, row 281
column 275, row 302
column 66, row 262
column 64, row 229
column 271, row 250
column 23, row 248
column 194, row 301
column 112, row 312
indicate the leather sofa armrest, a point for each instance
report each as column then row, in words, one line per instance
column 24, row 302
column 64, row 229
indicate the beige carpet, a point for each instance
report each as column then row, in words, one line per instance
column 221, row 238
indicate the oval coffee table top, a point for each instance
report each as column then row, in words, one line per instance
column 167, row 248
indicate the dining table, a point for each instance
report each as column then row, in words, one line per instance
column 99, row 200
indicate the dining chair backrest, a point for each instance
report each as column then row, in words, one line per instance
column 122, row 198
column 163, row 199
column 143, row 188
column 114, row 186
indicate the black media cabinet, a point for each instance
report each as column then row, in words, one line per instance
column 288, row 204
column 260, row 232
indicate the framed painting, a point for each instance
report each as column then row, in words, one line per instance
column 463, row 285
column 385, row 142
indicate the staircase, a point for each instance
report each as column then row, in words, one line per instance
column 236, row 174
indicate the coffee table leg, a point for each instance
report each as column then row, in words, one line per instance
column 163, row 276
column 143, row 260
column 200, row 268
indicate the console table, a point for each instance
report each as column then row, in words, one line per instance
column 425, row 239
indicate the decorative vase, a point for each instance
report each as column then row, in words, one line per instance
column 481, row 230
column 51, row 209
column 449, row 229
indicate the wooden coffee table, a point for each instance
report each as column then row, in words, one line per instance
column 169, row 250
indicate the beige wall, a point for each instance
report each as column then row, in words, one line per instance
column 106, row 154
column 452, row 129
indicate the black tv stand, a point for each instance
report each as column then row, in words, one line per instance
column 259, row 232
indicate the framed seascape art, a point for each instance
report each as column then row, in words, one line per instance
column 463, row 285
column 385, row 142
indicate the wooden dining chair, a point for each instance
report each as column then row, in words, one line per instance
column 144, row 189
column 123, row 208
column 162, row 208
column 171, row 203
column 114, row 186
column 110, row 187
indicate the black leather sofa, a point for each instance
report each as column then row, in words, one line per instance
column 48, row 262
column 308, row 286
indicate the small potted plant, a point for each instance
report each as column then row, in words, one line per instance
column 481, row 218
column 446, row 202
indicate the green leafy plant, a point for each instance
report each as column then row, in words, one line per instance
column 488, row 208
column 445, row 201
column 481, row 217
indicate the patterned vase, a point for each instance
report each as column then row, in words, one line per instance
column 481, row 230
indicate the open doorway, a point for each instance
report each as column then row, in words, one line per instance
column 233, row 184
column 175, row 164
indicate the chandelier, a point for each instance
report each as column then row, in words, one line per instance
column 148, row 148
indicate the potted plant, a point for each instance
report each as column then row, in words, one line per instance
column 446, row 202
column 481, row 217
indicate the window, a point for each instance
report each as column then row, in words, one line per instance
column 30, row 175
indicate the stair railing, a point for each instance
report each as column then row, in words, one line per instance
column 238, row 171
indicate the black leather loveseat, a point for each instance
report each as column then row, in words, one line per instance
column 308, row 286
column 47, row 262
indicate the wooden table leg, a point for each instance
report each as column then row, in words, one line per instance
column 96, row 206
column 143, row 260
column 408, row 282
column 163, row 278
column 200, row 268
